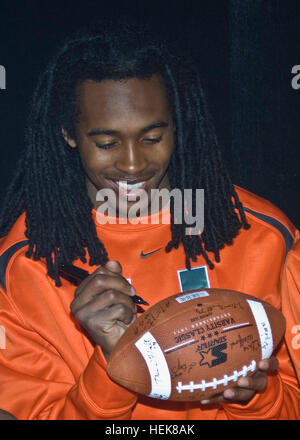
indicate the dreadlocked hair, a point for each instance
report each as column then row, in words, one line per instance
column 50, row 182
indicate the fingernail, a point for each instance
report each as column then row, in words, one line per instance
column 204, row 402
column 229, row 394
column 243, row 382
column 263, row 365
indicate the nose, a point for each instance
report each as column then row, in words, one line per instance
column 132, row 160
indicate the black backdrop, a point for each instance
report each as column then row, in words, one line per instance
column 245, row 50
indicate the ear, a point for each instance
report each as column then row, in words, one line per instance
column 70, row 141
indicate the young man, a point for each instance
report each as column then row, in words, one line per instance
column 115, row 110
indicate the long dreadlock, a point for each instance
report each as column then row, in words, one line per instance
column 49, row 183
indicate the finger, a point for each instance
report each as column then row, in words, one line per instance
column 121, row 314
column 216, row 399
column 102, row 301
column 270, row 365
column 237, row 394
column 96, row 319
column 109, row 327
column 98, row 286
column 106, row 300
column 257, row 382
column 231, row 395
column 102, row 270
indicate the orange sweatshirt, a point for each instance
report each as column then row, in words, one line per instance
column 50, row 369
column 291, row 292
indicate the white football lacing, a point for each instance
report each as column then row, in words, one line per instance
column 215, row 382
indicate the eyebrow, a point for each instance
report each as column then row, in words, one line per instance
column 99, row 131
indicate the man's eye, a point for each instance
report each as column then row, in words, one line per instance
column 153, row 140
column 105, row 146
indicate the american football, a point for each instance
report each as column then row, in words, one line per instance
column 193, row 345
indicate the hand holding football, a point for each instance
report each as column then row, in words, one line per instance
column 194, row 345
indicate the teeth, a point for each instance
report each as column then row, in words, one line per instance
column 125, row 185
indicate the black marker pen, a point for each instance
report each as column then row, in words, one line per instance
column 75, row 275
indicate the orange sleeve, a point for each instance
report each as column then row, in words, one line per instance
column 281, row 398
column 291, row 302
column 40, row 379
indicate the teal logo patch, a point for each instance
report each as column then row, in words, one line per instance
column 196, row 278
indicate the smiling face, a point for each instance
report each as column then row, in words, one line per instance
column 125, row 136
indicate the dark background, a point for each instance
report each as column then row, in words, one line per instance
column 245, row 50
